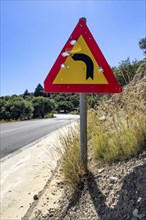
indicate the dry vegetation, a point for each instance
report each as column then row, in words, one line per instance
column 116, row 130
column 72, row 169
column 123, row 132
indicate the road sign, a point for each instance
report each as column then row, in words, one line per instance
column 81, row 66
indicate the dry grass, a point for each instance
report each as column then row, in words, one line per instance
column 71, row 165
column 123, row 133
column 120, row 136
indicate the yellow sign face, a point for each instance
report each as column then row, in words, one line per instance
column 74, row 71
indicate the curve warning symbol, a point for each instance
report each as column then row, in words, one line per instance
column 87, row 60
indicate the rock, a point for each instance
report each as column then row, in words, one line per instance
column 100, row 170
column 90, row 158
column 139, row 199
column 113, row 179
column 102, row 118
column 21, row 206
column 50, row 215
column 74, row 208
column 135, row 213
column 35, row 197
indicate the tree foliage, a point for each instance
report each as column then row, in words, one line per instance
column 26, row 93
column 42, row 106
column 39, row 91
column 126, row 71
column 142, row 45
column 16, row 108
column 19, row 108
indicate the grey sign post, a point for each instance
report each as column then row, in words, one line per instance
column 83, row 126
column 83, row 129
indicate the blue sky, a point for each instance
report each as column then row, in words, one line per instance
column 34, row 32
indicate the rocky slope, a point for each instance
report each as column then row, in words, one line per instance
column 112, row 192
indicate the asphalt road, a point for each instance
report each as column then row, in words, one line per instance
column 18, row 134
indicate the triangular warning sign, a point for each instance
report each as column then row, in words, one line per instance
column 81, row 66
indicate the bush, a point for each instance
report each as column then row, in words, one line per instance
column 16, row 108
column 126, row 71
column 49, row 115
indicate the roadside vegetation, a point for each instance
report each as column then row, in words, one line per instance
column 122, row 133
column 71, row 165
column 116, row 125
column 116, row 131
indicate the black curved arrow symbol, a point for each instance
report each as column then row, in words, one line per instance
column 87, row 60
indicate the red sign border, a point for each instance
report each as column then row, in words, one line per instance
column 113, row 86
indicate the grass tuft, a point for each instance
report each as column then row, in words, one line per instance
column 71, row 164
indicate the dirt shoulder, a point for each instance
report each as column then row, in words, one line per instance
column 111, row 192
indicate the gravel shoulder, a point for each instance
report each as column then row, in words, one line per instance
column 111, row 192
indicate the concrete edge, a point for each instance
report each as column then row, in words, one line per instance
column 41, row 193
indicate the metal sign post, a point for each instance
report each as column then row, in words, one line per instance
column 83, row 126
column 83, row 129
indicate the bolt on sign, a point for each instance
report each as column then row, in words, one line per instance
column 81, row 67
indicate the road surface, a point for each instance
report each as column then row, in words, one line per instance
column 19, row 134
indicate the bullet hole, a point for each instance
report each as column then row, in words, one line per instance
column 65, row 54
column 73, row 42
column 100, row 69
column 63, row 66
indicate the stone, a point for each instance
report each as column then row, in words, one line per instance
column 102, row 118
column 100, row 170
column 113, row 179
column 135, row 213
column 35, row 197
column 139, row 199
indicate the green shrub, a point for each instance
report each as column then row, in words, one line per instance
column 49, row 115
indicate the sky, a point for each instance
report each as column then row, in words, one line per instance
column 34, row 32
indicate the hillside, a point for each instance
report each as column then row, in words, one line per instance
column 113, row 189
